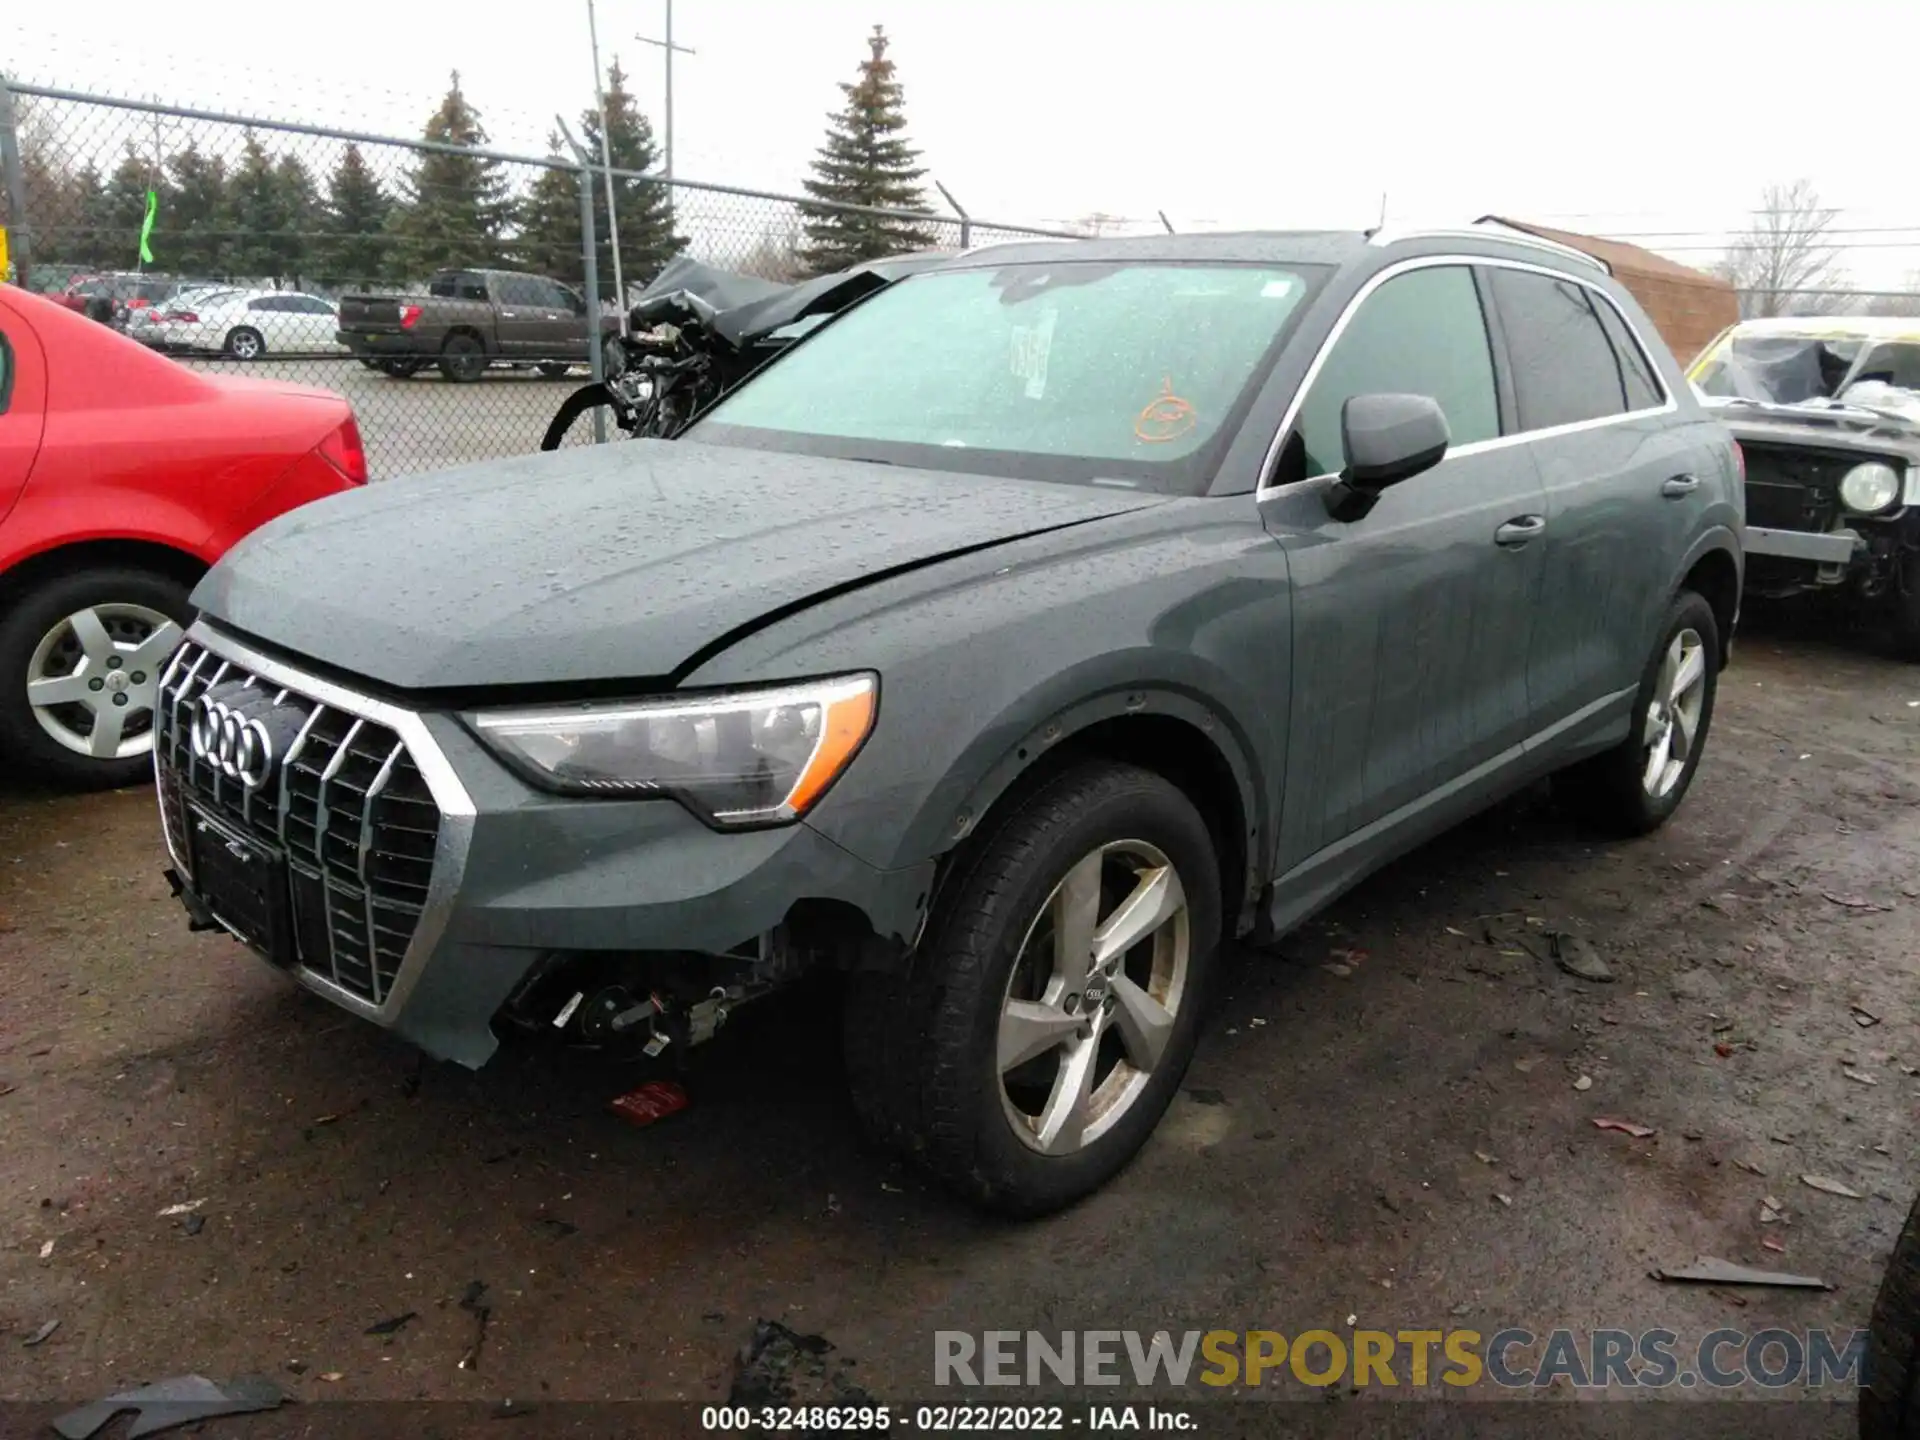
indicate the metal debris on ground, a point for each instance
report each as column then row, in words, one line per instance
column 1506, row 1200
column 1625, row 1127
column 393, row 1326
column 1865, row 1019
column 474, row 1302
column 42, row 1335
column 1483, row 1157
column 1854, row 902
column 1857, row 1077
column 1575, row 955
column 334, row 1377
column 46, row 1250
column 652, row 1101
column 1709, row 1271
column 1767, row 1242
column 1831, row 1187
column 1772, row 1212
column 167, row 1403
column 763, row 1370
column 183, row 1209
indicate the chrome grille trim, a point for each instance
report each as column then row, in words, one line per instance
column 378, row 913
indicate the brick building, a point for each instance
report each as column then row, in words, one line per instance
column 1688, row 306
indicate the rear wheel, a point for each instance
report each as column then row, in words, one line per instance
column 80, row 664
column 1055, row 1000
column 1635, row 787
column 463, row 359
column 1890, row 1400
column 244, row 343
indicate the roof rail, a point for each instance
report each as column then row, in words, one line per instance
column 1504, row 236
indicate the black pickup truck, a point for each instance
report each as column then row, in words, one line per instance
column 470, row 319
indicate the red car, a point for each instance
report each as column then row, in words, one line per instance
column 123, row 477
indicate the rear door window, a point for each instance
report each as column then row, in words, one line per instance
column 1420, row 333
column 1565, row 368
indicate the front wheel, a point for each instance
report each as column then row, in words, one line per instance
column 1055, row 1000
column 1890, row 1400
column 1634, row 788
column 80, row 664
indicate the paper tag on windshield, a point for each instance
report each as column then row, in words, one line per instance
column 1031, row 345
column 1276, row 290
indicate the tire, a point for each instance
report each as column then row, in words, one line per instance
column 1890, row 1400
column 398, row 369
column 463, row 359
column 38, row 641
column 554, row 369
column 613, row 357
column 1906, row 607
column 924, row 1048
column 1611, row 790
column 572, row 423
column 243, row 342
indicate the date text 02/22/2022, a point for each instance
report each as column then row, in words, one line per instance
column 939, row 1419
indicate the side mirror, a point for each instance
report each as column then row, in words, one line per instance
column 1388, row 438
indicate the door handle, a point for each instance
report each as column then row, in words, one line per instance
column 508, row 315
column 1680, row 486
column 1519, row 530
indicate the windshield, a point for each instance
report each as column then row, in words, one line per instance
column 1084, row 371
column 1785, row 369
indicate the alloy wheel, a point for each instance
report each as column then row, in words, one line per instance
column 1673, row 719
column 1092, row 997
column 94, row 677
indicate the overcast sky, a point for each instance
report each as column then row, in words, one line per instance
column 1622, row 118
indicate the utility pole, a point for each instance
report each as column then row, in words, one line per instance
column 670, row 49
column 606, row 168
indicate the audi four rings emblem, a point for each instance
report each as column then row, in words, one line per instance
column 239, row 748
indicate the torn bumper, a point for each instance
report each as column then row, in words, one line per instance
column 1831, row 548
column 385, row 860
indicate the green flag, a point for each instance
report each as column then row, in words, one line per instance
column 146, row 227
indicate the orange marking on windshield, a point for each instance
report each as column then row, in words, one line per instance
column 1165, row 417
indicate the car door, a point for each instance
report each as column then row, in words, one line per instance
column 564, row 336
column 23, row 404
column 312, row 324
column 1411, row 623
column 1622, row 494
column 518, row 315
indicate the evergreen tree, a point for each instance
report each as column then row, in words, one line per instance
column 866, row 161
column 81, row 235
column 550, row 224
column 300, row 215
column 644, row 208
column 457, row 207
column 194, row 213
column 356, row 251
column 256, row 215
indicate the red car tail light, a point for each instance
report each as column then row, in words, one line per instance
column 343, row 451
column 185, row 317
column 408, row 315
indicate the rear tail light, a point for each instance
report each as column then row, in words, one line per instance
column 408, row 315
column 343, row 451
column 185, row 317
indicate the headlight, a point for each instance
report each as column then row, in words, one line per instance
column 738, row 760
column 1870, row 488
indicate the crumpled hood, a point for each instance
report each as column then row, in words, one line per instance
column 610, row 562
column 1829, row 427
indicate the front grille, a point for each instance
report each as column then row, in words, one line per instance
column 345, row 812
column 1794, row 489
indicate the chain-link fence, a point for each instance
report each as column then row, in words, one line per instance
column 442, row 288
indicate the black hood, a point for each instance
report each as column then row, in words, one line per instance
column 611, row 562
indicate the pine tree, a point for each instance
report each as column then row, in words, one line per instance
column 300, row 212
column 644, row 207
column 356, row 251
column 83, row 234
column 866, row 161
column 255, row 214
column 456, row 208
column 196, row 212
column 550, row 223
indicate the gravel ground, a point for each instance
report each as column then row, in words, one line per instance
column 1387, row 1120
